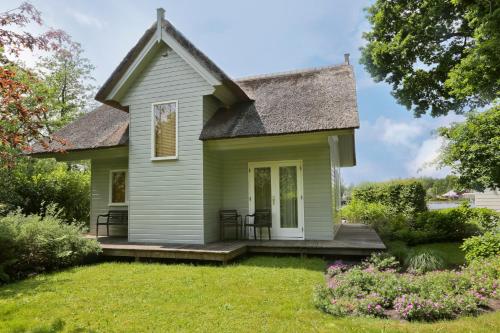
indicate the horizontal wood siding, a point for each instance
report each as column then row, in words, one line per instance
column 488, row 199
column 100, row 193
column 318, row 223
column 166, row 197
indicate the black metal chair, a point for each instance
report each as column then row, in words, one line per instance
column 229, row 218
column 261, row 219
column 113, row 217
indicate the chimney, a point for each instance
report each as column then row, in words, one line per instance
column 160, row 16
column 346, row 58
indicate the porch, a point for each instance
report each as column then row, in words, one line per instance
column 350, row 240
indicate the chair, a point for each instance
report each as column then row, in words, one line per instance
column 229, row 218
column 261, row 219
column 113, row 217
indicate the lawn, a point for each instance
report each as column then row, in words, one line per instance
column 451, row 253
column 260, row 294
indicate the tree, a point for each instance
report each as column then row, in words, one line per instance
column 68, row 75
column 438, row 55
column 23, row 102
column 472, row 149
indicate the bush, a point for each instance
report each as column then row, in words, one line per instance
column 424, row 261
column 32, row 244
column 404, row 196
column 382, row 261
column 35, row 184
column 484, row 246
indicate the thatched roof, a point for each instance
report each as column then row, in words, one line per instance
column 186, row 44
column 102, row 128
column 310, row 100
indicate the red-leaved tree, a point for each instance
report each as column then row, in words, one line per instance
column 23, row 107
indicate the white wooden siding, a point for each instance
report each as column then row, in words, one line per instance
column 99, row 204
column 318, row 222
column 488, row 199
column 166, row 197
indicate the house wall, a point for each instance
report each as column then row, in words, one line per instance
column 488, row 199
column 99, row 202
column 166, row 197
column 212, row 179
column 317, row 183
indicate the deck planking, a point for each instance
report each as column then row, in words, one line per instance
column 355, row 239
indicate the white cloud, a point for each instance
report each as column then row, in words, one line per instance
column 424, row 162
column 399, row 133
column 87, row 20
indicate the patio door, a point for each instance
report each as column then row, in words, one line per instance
column 278, row 186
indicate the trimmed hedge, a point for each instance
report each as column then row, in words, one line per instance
column 404, row 196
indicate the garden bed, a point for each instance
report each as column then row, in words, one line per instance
column 377, row 289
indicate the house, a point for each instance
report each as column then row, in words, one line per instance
column 490, row 198
column 176, row 140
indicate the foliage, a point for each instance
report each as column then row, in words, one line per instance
column 423, row 261
column 472, row 149
column 486, row 245
column 68, row 76
column 32, row 185
column 32, row 244
column 437, row 186
column 451, row 253
column 382, row 261
column 427, row 297
column 23, row 107
column 437, row 55
column 367, row 212
column 404, row 196
column 257, row 294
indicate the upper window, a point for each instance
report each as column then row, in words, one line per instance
column 164, row 145
column 118, row 187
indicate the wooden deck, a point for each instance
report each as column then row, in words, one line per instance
column 352, row 239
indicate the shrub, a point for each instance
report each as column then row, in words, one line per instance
column 404, row 196
column 483, row 246
column 32, row 244
column 365, row 212
column 424, row 261
column 35, row 184
column 382, row 261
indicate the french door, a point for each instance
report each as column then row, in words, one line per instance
column 278, row 187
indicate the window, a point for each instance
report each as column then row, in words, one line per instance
column 118, row 187
column 164, row 131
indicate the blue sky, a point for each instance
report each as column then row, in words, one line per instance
column 256, row 37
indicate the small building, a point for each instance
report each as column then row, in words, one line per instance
column 177, row 140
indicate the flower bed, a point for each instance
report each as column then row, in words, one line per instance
column 380, row 291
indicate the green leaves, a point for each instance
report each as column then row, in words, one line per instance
column 472, row 149
column 438, row 56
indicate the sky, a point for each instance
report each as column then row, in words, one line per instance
column 257, row 37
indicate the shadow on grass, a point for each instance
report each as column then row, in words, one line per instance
column 293, row 262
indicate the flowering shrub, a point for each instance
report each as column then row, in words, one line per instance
column 336, row 268
column 366, row 291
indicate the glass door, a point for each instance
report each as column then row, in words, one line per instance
column 277, row 186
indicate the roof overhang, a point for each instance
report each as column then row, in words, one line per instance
column 159, row 34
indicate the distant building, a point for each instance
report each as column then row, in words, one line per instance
column 488, row 199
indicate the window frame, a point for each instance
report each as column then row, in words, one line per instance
column 110, row 188
column 153, row 139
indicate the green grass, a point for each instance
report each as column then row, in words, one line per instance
column 452, row 254
column 260, row 294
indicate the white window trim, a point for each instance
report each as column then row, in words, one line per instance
column 153, row 143
column 110, row 189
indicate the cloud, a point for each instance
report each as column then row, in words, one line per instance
column 391, row 132
column 87, row 20
column 424, row 162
